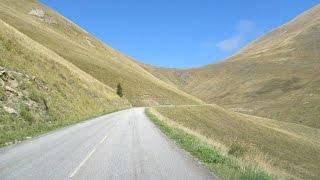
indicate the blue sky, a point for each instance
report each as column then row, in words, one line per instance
column 179, row 33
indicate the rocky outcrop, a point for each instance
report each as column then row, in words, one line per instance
column 37, row 12
column 17, row 95
column 43, row 16
column 10, row 89
column 9, row 110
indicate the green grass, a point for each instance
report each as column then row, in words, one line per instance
column 225, row 166
column 26, row 115
column 280, row 148
column 20, row 130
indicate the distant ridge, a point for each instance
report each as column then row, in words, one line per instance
column 276, row 76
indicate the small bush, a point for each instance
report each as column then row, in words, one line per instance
column 119, row 90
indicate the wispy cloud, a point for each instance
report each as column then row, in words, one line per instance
column 230, row 43
column 242, row 28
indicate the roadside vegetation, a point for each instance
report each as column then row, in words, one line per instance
column 279, row 149
column 224, row 165
column 53, row 74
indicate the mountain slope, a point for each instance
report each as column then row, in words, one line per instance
column 89, row 54
column 41, row 91
column 53, row 73
column 276, row 76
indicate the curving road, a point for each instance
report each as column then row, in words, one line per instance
column 122, row 145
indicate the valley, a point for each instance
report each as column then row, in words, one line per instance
column 254, row 115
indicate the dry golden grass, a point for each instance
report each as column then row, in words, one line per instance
column 76, row 73
column 276, row 76
column 90, row 55
column 81, row 74
column 280, row 148
column 70, row 95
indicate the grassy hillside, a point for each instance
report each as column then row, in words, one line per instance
column 41, row 91
column 280, row 148
column 53, row 73
column 76, row 46
column 276, row 76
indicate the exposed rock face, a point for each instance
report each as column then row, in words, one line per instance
column 37, row 12
column 3, row 73
column 43, row 16
column 10, row 89
column 16, row 95
column 10, row 110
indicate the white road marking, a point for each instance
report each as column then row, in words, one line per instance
column 105, row 137
column 90, row 154
column 82, row 163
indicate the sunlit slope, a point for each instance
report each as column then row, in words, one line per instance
column 276, row 76
column 41, row 91
column 89, row 54
column 285, row 149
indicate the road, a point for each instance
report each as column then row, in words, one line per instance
column 121, row 145
column 187, row 105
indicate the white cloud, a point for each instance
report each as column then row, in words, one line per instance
column 243, row 27
column 230, row 43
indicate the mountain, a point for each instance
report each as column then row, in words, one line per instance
column 53, row 73
column 277, row 76
column 88, row 54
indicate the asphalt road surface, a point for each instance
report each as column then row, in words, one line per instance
column 122, row 145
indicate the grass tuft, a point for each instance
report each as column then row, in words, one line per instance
column 27, row 116
column 237, row 149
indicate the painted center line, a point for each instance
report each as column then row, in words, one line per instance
column 90, row 154
column 105, row 137
column 82, row 163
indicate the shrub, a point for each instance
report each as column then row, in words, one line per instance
column 119, row 90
